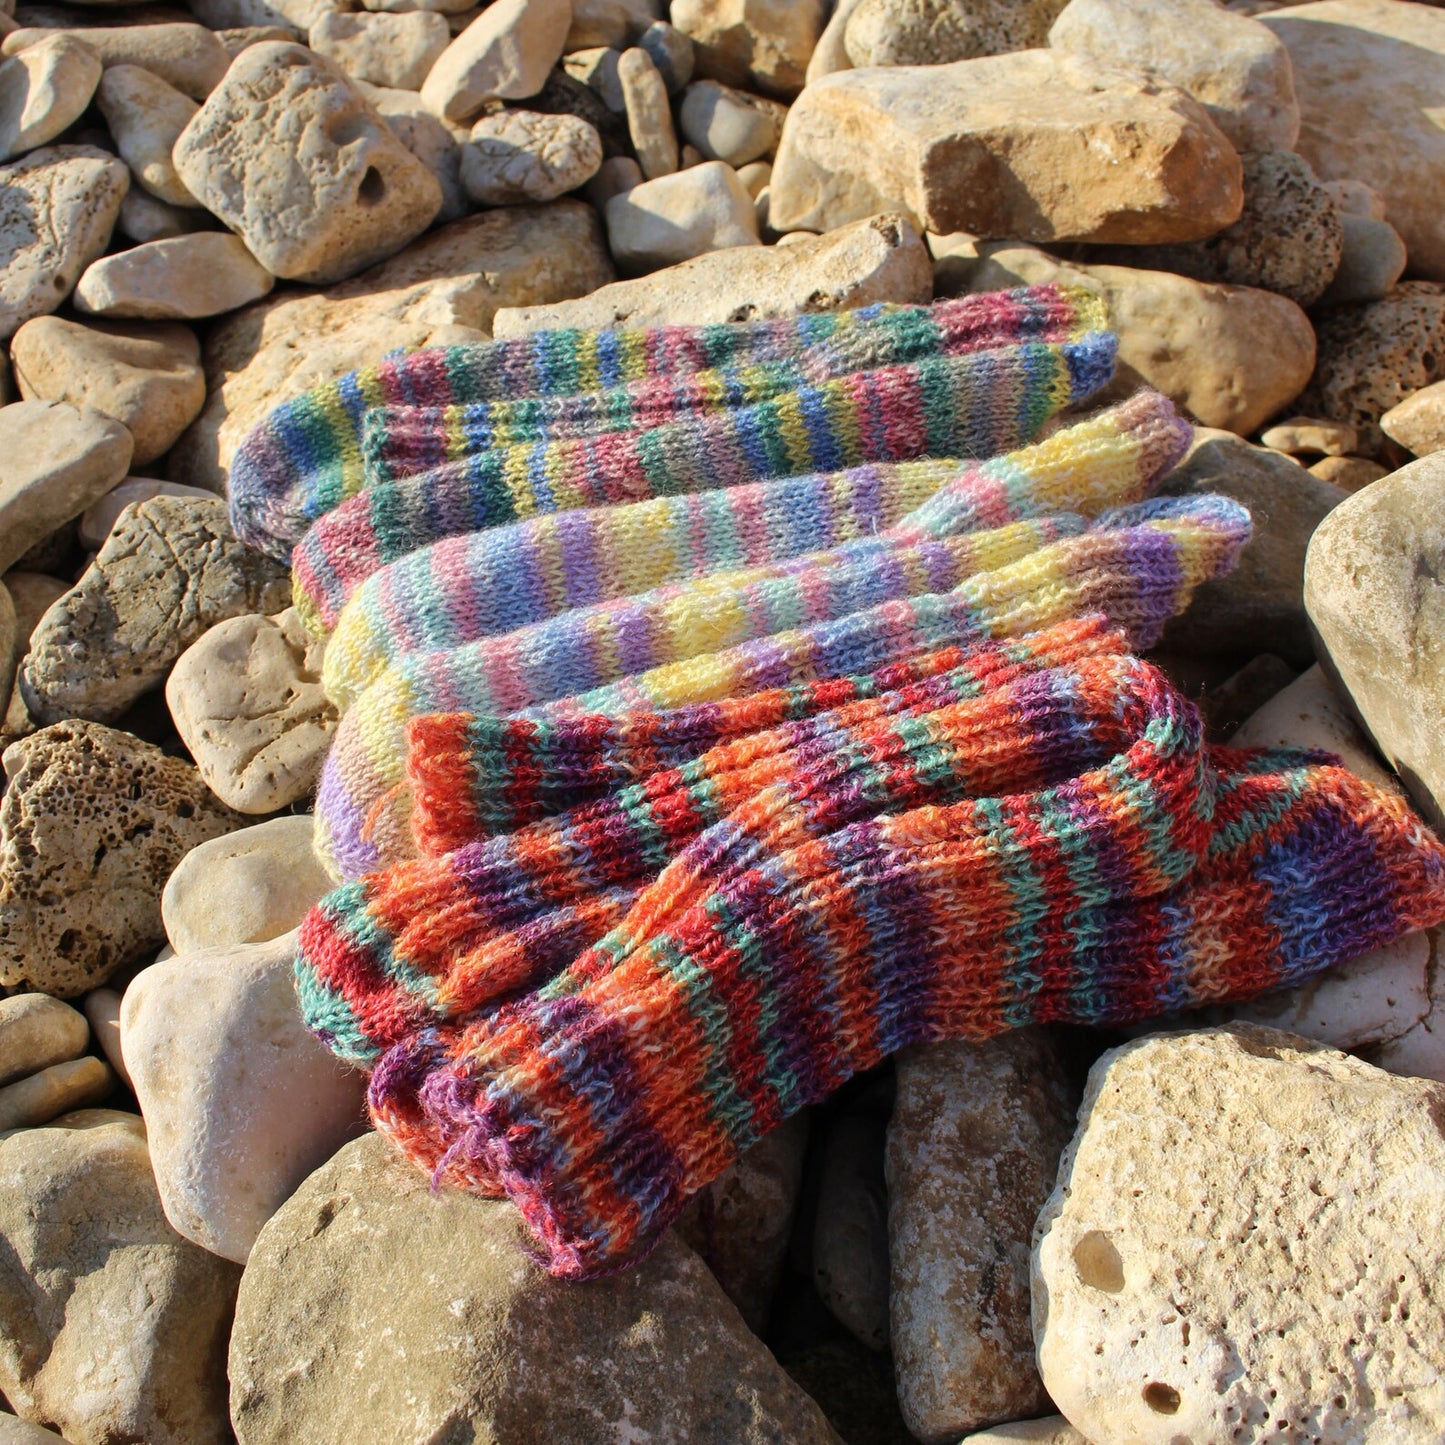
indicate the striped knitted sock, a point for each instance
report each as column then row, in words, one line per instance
column 306, row 457
column 1138, row 567
column 776, row 957
column 486, row 583
column 974, row 405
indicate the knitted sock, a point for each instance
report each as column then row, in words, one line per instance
column 486, row 583
column 973, row 405
column 773, row 960
column 306, row 457
column 1138, row 567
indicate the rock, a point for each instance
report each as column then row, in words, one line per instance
column 564, row 94
column 973, row 1146
column 43, row 90
column 345, row 1319
column 1232, row 356
column 98, row 1248
column 146, row 116
column 429, row 140
column 1309, row 1167
column 649, row 115
column 1028, row 145
column 247, row 700
column 1263, row 596
column 596, row 68
column 852, row 1385
column 935, row 32
column 607, row 22
column 740, row 1223
column 148, row 378
column 455, row 277
column 14, row 1431
column 390, row 50
column 519, row 155
column 237, row 38
column 1289, row 238
column 1375, row 592
column 1420, row 1051
column 91, row 826
column 1418, row 422
column 54, row 1091
column 613, row 177
column 143, row 218
column 1355, row 198
column 1370, row 75
column 182, row 279
column 169, row 571
column 37, row 1031
column 102, row 1009
column 761, row 45
column 246, row 887
column 1303, row 436
column 98, row 519
column 1052, row 1430
column 32, row 594
column 1348, row 473
column 880, row 259
column 55, row 460
column 58, row 207
column 1371, row 357
column 351, row 197
column 671, row 52
column 1235, row 68
column 1372, row 260
column 184, row 55
column 677, row 217
column 506, row 53
column 241, row 1103
column 730, row 125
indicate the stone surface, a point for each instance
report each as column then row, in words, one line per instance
column 850, row 1229
column 241, row 1103
column 1298, row 1210
column 168, row 572
column 1370, row 75
column 428, row 138
column 1349, row 473
column 148, row 378
column 677, row 217
column 32, row 594
column 729, row 125
column 369, row 1297
column 1375, row 591
column 184, row 55
column 935, row 32
column 672, row 53
column 58, row 206
column 143, row 218
column 1035, row 145
column 1262, row 599
column 246, row 887
column 1372, row 260
column 100, row 517
column 43, row 90
column 564, row 94
column 91, row 826
column 973, row 1145
column 609, row 22
column 87, row 1242
column 55, row 460
column 455, row 278
column 761, row 45
column 1236, row 69
column 1051, row 1430
column 1305, row 436
column 391, row 50
column 146, row 117
column 505, row 53
column 247, row 700
column 350, row 197
column 102, row 1009
column 185, row 278
column 14, row 1431
column 521, row 155
column 77, row 1084
column 37, row 1031
column 1420, row 1051
column 649, row 113
column 1418, row 422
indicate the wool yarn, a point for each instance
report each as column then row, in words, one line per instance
column 975, row 405
column 483, row 584
column 307, row 456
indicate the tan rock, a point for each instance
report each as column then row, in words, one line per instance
column 146, row 116
column 1418, row 422
column 33, row 594
column 390, row 50
column 76, row 1084
column 1035, row 145
column 143, row 218
column 677, row 217
column 351, row 197
column 880, row 259
column 672, row 53
column 506, row 53
column 649, row 114
column 1305, row 436
column 345, row 1318
column 184, row 55
column 37, row 1031
column 182, row 279
column 102, row 1009
column 1298, row 1210
column 147, row 377
column 761, row 45
column 1375, row 591
column 58, row 207
column 1051, row 1430
column 100, row 1249
column 99, row 519
column 608, row 22
column 91, row 826
column 935, row 32
column 456, row 277
column 1348, row 473
column 429, row 139
column 43, row 90
column 520, row 155
column 14, row 1431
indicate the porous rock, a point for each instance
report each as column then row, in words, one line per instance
column 934, row 32
column 521, row 155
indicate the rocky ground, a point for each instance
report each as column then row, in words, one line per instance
column 1226, row 1230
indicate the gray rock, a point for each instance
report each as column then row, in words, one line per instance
column 1372, row 260
column 677, row 217
column 671, row 53
column 37, row 1031
column 98, row 519
column 43, row 90
column 517, row 156
column 143, row 218
column 730, row 125
column 429, row 140
column 935, row 32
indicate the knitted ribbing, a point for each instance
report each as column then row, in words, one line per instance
column 486, row 583
column 1138, row 567
column 306, row 457
column 974, row 405
column 774, row 959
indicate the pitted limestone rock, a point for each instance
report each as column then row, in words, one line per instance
column 522, row 155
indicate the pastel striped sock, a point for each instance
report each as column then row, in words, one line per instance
column 975, row 405
column 306, row 457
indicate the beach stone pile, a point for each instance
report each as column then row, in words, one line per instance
column 1221, row 1227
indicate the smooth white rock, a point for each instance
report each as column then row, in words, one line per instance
column 677, row 217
